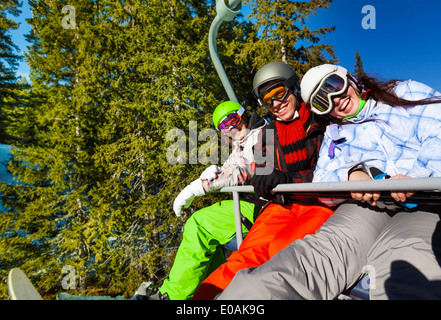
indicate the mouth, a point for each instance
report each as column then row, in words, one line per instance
column 345, row 104
column 282, row 110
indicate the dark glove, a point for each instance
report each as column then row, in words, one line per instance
column 263, row 184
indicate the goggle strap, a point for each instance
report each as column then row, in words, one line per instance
column 291, row 82
column 364, row 94
column 355, row 83
column 241, row 111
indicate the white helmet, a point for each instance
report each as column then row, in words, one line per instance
column 314, row 78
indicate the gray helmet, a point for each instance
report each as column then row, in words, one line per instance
column 276, row 70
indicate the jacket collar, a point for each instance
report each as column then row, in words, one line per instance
column 365, row 114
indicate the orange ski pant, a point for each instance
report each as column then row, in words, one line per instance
column 275, row 228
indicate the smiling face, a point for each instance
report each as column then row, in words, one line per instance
column 346, row 105
column 283, row 109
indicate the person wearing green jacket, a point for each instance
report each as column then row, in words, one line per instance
column 208, row 229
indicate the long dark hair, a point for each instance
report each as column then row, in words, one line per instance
column 383, row 91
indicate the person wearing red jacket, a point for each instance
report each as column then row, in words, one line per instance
column 297, row 137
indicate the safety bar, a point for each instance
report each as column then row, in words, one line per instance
column 328, row 189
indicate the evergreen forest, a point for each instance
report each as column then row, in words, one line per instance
column 108, row 80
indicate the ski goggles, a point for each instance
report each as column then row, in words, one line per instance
column 278, row 91
column 230, row 122
column 330, row 87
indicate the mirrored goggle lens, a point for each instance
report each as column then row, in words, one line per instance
column 229, row 122
column 277, row 92
column 331, row 87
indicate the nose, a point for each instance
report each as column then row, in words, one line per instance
column 337, row 101
column 276, row 104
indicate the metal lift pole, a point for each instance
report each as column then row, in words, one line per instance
column 226, row 12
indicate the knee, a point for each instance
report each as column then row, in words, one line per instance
column 191, row 225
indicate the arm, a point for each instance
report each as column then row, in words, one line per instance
column 426, row 120
column 232, row 173
column 372, row 197
column 239, row 168
column 330, row 169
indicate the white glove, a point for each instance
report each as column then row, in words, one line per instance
column 210, row 173
column 186, row 196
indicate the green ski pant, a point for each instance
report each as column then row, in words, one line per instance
column 201, row 251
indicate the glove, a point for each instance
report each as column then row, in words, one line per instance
column 210, row 173
column 186, row 196
column 263, row 184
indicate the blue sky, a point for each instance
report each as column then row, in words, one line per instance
column 18, row 36
column 405, row 44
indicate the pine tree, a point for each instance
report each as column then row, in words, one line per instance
column 358, row 70
column 19, row 120
column 49, row 215
column 110, row 80
column 285, row 35
column 97, row 187
column 8, row 64
column 172, row 81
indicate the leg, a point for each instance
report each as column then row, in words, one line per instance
column 406, row 258
column 275, row 229
column 308, row 220
column 320, row 266
column 200, row 251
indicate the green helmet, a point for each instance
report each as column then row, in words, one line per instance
column 224, row 109
column 276, row 70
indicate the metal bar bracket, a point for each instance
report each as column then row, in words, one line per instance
column 225, row 12
column 237, row 218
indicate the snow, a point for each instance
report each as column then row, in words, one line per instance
column 5, row 175
column 5, row 157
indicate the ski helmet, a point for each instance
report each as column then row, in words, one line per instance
column 224, row 109
column 276, row 70
column 316, row 90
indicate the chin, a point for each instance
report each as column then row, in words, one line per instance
column 286, row 117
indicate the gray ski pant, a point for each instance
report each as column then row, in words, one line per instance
column 401, row 253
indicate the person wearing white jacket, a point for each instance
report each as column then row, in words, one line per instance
column 392, row 128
